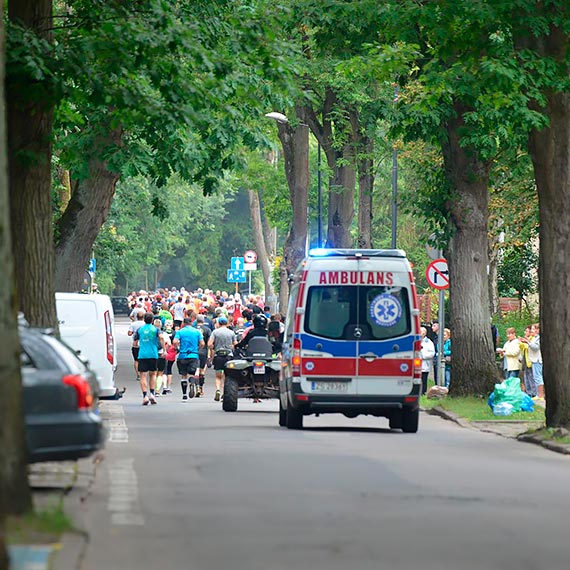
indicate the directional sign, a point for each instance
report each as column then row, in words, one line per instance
column 250, row 256
column 236, row 275
column 237, row 263
column 437, row 274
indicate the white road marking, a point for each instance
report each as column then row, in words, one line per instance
column 113, row 415
column 124, row 503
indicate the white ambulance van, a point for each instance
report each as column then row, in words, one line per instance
column 87, row 324
column 352, row 339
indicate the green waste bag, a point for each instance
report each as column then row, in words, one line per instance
column 509, row 392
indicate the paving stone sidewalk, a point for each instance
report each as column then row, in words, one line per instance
column 513, row 429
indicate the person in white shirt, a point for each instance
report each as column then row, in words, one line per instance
column 177, row 311
column 512, row 353
column 427, row 355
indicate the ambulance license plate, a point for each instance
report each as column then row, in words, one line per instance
column 329, row 386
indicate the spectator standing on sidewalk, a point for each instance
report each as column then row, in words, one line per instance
column 447, row 356
column 434, row 338
column 427, row 355
column 526, row 364
column 511, row 351
column 535, row 357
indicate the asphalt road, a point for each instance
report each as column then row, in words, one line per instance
column 188, row 486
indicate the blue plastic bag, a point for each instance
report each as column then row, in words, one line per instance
column 503, row 409
column 527, row 405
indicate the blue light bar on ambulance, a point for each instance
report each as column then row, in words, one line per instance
column 325, row 252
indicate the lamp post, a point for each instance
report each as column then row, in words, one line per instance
column 395, row 185
column 281, row 118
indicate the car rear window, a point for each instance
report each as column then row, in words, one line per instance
column 38, row 352
column 380, row 312
column 71, row 361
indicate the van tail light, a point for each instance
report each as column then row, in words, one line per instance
column 82, row 388
column 109, row 338
column 296, row 358
column 418, row 359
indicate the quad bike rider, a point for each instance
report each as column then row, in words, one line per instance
column 254, row 372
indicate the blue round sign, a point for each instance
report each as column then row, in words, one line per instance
column 385, row 310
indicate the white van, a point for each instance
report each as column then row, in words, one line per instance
column 87, row 324
column 352, row 339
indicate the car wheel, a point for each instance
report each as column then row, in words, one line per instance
column 282, row 414
column 293, row 418
column 410, row 421
column 230, row 401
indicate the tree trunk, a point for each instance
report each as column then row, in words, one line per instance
column 64, row 188
column 550, row 152
column 283, row 289
column 82, row 220
column 262, row 255
column 29, row 158
column 473, row 369
column 341, row 199
column 342, row 183
column 494, row 248
column 15, row 497
column 365, row 151
column 295, row 143
column 269, row 234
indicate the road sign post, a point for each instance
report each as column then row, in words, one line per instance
column 437, row 275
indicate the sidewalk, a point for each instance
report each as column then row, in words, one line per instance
column 510, row 428
column 57, row 484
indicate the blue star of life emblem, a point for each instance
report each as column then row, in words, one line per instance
column 385, row 310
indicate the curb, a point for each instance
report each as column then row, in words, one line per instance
column 450, row 416
column 563, row 448
column 524, row 437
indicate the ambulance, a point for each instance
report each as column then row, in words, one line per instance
column 352, row 339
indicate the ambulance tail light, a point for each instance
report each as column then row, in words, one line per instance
column 296, row 358
column 418, row 359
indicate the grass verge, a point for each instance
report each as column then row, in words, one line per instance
column 42, row 527
column 476, row 409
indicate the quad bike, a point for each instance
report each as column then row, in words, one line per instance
column 253, row 373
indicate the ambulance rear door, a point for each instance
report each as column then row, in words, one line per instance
column 384, row 327
column 328, row 345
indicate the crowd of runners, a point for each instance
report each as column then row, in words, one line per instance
column 197, row 330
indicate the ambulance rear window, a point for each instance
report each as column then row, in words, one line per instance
column 379, row 312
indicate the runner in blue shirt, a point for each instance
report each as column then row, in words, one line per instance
column 188, row 341
column 149, row 342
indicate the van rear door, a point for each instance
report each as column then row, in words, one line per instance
column 384, row 328
column 328, row 347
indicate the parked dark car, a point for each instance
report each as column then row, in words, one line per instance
column 120, row 305
column 60, row 400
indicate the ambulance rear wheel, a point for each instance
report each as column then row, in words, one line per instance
column 282, row 414
column 410, row 421
column 294, row 418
